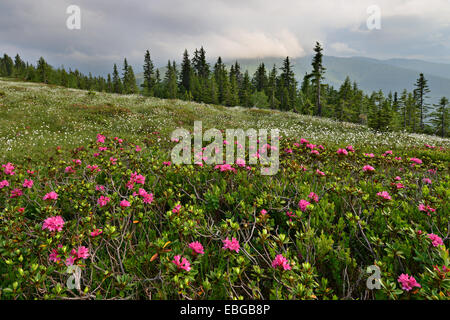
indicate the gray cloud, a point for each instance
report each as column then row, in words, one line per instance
column 112, row 30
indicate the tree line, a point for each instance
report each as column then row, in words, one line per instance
column 269, row 87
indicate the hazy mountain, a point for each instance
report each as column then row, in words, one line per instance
column 370, row 74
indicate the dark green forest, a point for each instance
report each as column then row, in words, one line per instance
column 269, row 87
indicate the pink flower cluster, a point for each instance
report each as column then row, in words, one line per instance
column 8, row 169
column 135, row 178
column 225, row 167
column 3, row 184
column 342, row 152
column 415, row 160
column 384, row 195
column 408, row 282
column 146, row 197
column 103, row 201
column 435, row 240
column 426, row 208
column 368, row 168
column 303, row 205
column 50, row 196
column 81, row 253
column 183, row 264
column 281, row 262
column 232, row 245
column 53, row 223
column 196, row 247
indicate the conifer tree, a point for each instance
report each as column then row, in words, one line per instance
column 149, row 80
column 439, row 118
column 186, row 73
column 116, row 82
column 421, row 94
column 260, row 78
column 317, row 73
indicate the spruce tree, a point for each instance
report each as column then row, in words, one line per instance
column 421, row 94
column 186, row 73
column 116, row 83
column 149, row 80
column 439, row 118
column 260, row 78
column 317, row 73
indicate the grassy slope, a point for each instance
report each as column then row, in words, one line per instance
column 35, row 118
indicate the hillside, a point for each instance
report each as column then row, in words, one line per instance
column 92, row 206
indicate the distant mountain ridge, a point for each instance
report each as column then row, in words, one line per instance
column 370, row 74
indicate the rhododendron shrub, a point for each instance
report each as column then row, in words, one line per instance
column 140, row 227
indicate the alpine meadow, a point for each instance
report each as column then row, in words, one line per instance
column 110, row 190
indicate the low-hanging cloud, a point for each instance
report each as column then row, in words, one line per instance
column 112, row 29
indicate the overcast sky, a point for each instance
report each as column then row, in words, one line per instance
column 112, row 29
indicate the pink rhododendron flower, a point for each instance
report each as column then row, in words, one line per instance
column 397, row 178
column 240, row 162
column 408, row 282
column 427, row 209
column 368, row 168
column 96, row 232
column 225, row 167
column 281, row 262
column 28, row 183
column 138, row 149
column 77, row 161
column 416, row 160
column 82, row 252
column 16, row 193
column 313, row 196
column 302, row 141
column 232, row 245
column 167, row 163
column 303, row 205
column 320, row 173
column 342, row 151
column 196, row 247
column 53, row 223
column 103, row 201
column 426, row 180
column 70, row 261
column 385, row 195
column 54, row 256
column 399, row 185
column 370, row 155
column 263, row 212
column 288, row 150
column 3, row 184
column 124, row 203
column 113, row 160
column 435, row 239
column 100, row 138
column 69, row 169
column 350, row 148
column 183, row 264
column 290, row 214
column 177, row 208
column 50, row 196
column 8, row 169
